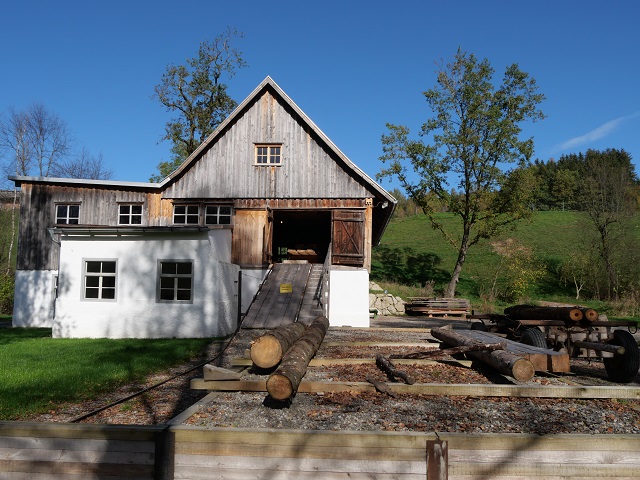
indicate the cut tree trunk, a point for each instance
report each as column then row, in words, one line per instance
column 503, row 361
column 267, row 351
column 589, row 315
column 284, row 382
column 451, row 351
column 390, row 369
column 569, row 315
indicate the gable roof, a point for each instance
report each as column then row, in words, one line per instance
column 268, row 82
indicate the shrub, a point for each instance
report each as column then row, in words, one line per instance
column 7, row 287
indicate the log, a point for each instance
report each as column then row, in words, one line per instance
column 284, row 382
column 267, row 350
column 390, row 369
column 450, row 351
column 503, row 361
column 570, row 315
column 589, row 315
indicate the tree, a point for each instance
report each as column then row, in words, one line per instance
column 475, row 132
column 83, row 165
column 607, row 195
column 197, row 93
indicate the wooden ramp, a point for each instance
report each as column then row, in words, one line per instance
column 543, row 359
column 280, row 297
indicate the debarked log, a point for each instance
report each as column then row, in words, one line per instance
column 570, row 315
column 390, row 369
column 503, row 361
column 267, row 350
column 449, row 351
column 284, row 382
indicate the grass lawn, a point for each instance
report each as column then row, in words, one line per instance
column 38, row 371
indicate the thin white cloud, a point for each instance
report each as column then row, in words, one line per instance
column 596, row 134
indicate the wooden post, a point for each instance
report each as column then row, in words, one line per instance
column 437, row 460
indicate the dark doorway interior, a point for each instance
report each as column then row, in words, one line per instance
column 301, row 235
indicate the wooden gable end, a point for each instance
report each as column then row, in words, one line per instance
column 227, row 167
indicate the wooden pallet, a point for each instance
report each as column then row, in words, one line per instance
column 438, row 307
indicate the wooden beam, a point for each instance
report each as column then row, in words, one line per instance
column 520, row 391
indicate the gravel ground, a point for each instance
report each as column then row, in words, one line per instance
column 371, row 411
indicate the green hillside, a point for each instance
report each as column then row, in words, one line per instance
column 412, row 253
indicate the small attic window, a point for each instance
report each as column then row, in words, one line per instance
column 268, row 154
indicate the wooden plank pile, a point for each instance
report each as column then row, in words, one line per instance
column 438, row 307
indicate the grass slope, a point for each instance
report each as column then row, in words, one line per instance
column 552, row 236
column 38, row 371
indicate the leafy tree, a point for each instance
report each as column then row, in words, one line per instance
column 197, row 93
column 607, row 195
column 474, row 133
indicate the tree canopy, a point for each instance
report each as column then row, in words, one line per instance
column 197, row 93
column 474, row 133
column 35, row 141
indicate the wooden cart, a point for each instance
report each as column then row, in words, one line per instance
column 579, row 335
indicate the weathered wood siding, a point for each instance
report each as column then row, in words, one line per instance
column 228, row 170
column 348, row 237
column 37, row 250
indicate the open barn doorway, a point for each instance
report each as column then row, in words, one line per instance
column 301, row 235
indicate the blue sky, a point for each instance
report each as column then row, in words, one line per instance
column 352, row 66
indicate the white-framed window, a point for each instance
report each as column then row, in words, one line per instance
column 67, row 214
column 175, row 281
column 130, row 214
column 100, row 279
column 186, row 214
column 217, row 214
column 269, row 154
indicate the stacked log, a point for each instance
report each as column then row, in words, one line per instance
column 569, row 315
column 267, row 351
column 284, row 382
column 503, row 361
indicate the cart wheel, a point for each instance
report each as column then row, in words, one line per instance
column 623, row 368
column 478, row 326
column 533, row 337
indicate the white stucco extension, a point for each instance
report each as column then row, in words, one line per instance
column 33, row 303
column 136, row 311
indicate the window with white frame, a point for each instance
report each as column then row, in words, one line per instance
column 67, row 214
column 269, row 154
column 130, row 214
column 100, row 279
column 175, row 280
column 186, row 214
column 217, row 215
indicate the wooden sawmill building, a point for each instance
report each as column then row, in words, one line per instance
column 132, row 259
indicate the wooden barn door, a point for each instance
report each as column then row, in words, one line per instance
column 347, row 244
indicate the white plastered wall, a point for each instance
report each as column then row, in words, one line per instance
column 252, row 278
column 348, row 297
column 33, row 301
column 136, row 313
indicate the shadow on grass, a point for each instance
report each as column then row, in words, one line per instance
column 406, row 266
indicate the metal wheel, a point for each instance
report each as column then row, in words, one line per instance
column 534, row 337
column 623, row 368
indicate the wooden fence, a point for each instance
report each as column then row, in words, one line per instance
column 36, row 451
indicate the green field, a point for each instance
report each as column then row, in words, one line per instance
column 39, row 372
column 551, row 237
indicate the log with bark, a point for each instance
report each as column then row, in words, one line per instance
column 569, row 315
column 390, row 369
column 450, row 351
column 503, row 361
column 284, row 382
column 267, row 350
